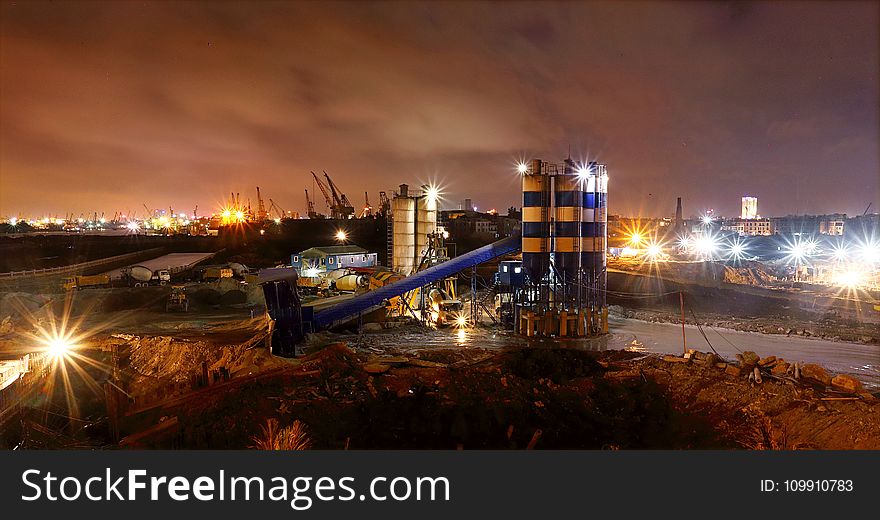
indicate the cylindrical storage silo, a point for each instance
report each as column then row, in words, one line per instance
column 594, row 229
column 567, row 195
column 536, row 222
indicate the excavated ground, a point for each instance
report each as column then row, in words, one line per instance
column 517, row 398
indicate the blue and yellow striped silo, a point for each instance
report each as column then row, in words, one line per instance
column 594, row 229
column 536, row 221
column 567, row 196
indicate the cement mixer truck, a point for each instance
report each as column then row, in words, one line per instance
column 141, row 276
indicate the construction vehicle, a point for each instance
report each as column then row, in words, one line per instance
column 216, row 273
column 177, row 300
column 442, row 309
column 141, row 276
column 82, row 282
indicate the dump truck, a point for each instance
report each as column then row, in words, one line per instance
column 142, row 276
column 177, row 300
column 81, row 282
column 215, row 273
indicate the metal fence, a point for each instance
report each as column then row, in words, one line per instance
column 75, row 268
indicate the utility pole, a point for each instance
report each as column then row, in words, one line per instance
column 684, row 344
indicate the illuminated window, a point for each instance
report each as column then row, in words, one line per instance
column 517, row 270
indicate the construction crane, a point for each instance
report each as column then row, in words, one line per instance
column 384, row 204
column 343, row 208
column 866, row 209
column 323, row 188
column 278, row 209
column 310, row 205
column 262, row 214
column 368, row 210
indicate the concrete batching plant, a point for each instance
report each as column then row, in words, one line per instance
column 563, row 246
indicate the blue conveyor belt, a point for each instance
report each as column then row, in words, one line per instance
column 373, row 300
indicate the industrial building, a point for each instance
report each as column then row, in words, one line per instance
column 333, row 257
column 749, row 227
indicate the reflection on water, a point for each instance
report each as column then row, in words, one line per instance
column 636, row 336
column 415, row 338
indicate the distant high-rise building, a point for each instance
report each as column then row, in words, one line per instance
column 467, row 205
column 749, row 208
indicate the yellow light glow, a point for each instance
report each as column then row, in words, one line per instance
column 636, row 238
column 58, row 346
column 850, row 279
column 341, row 235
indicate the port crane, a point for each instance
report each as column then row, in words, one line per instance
column 324, row 191
column 384, row 204
column 310, row 205
column 368, row 210
column 342, row 207
column 262, row 214
column 278, row 209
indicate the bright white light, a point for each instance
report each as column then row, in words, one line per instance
column 583, row 172
column 736, row 250
column 239, row 215
column 871, row 253
column 13, row 221
column 311, row 272
column 840, row 253
column 461, row 321
column 133, row 226
column 636, row 238
column 278, row 221
column 103, row 220
column 798, row 251
column 522, row 168
column 433, row 193
column 684, row 242
column 654, row 250
column 341, row 235
column 706, row 245
column 706, row 219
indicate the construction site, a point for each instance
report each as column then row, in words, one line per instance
column 375, row 328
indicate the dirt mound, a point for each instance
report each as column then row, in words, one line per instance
column 558, row 365
column 234, row 297
column 141, row 298
column 16, row 303
column 205, row 296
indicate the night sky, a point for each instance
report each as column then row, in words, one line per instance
column 105, row 107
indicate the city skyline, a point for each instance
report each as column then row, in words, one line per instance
column 106, row 107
